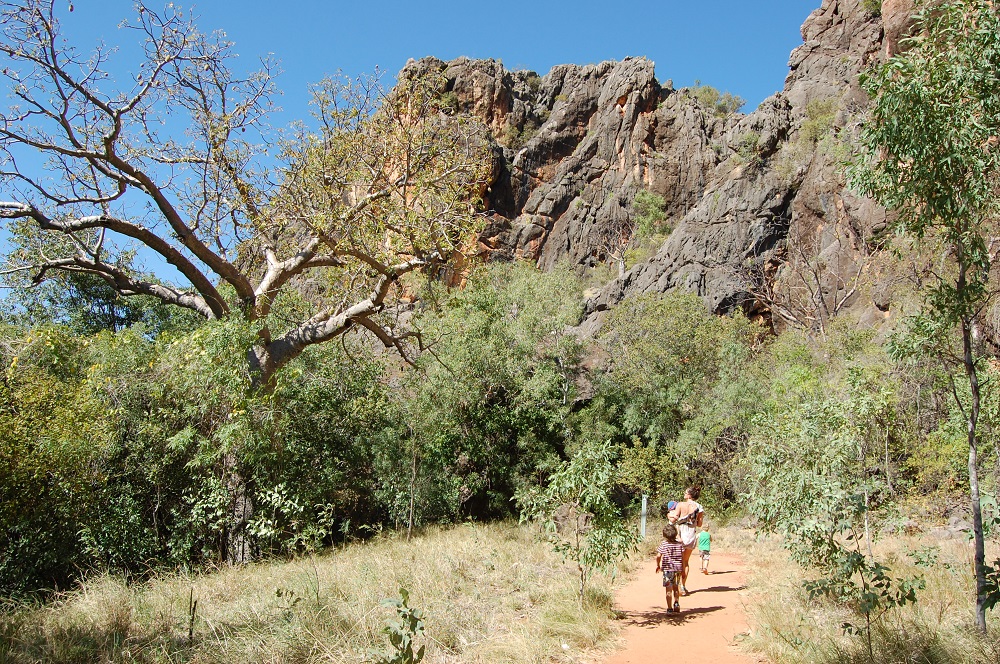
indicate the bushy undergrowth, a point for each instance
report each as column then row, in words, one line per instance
column 790, row 627
column 132, row 449
column 488, row 593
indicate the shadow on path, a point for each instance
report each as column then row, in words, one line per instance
column 659, row 616
column 718, row 589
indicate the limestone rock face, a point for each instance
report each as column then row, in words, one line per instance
column 743, row 213
column 579, row 143
column 760, row 191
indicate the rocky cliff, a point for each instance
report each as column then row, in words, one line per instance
column 757, row 203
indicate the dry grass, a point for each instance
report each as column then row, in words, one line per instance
column 490, row 594
column 787, row 627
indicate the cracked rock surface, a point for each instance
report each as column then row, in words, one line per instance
column 581, row 141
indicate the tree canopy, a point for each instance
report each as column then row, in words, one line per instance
column 933, row 155
column 179, row 159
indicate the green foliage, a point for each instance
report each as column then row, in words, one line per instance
column 515, row 137
column 647, row 231
column 83, row 303
column 650, row 214
column 338, row 416
column 409, row 624
column 147, row 438
column 86, row 305
column 487, row 408
column 577, row 513
column 938, row 461
column 533, row 81
column 873, row 6
column 931, row 154
column 53, row 432
column 125, row 446
column 667, row 354
column 749, row 150
column 815, row 136
column 937, row 111
column 449, row 102
column 820, row 115
column 721, row 104
column 813, row 465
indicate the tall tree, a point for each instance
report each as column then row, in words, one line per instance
column 180, row 159
column 932, row 154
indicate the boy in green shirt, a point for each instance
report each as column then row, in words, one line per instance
column 704, row 548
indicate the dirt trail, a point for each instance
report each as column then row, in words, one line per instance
column 711, row 617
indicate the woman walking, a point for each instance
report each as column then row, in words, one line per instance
column 688, row 516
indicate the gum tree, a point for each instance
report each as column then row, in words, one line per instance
column 931, row 153
column 297, row 237
column 178, row 159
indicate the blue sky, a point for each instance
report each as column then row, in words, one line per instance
column 741, row 47
column 737, row 46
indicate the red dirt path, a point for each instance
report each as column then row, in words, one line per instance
column 711, row 617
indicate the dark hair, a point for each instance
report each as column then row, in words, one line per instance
column 670, row 532
column 693, row 491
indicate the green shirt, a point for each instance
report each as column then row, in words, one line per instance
column 704, row 541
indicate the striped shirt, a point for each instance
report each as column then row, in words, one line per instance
column 669, row 554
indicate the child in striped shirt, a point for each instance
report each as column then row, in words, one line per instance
column 668, row 560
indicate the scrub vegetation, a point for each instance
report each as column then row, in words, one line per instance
column 340, row 417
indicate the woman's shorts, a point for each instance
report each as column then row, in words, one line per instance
column 670, row 577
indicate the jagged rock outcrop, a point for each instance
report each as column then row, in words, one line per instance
column 581, row 142
column 758, row 194
column 742, row 214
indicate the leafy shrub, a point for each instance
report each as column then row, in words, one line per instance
column 52, row 436
column 820, row 114
column 671, row 363
column 408, row 625
column 815, row 136
column 749, row 150
column 515, row 137
column 721, row 104
column 650, row 214
column 593, row 533
column 533, row 81
column 449, row 101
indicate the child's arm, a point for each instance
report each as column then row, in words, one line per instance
column 659, row 556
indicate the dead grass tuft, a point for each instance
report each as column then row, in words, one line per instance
column 490, row 593
column 788, row 627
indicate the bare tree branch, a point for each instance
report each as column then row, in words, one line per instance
column 179, row 159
